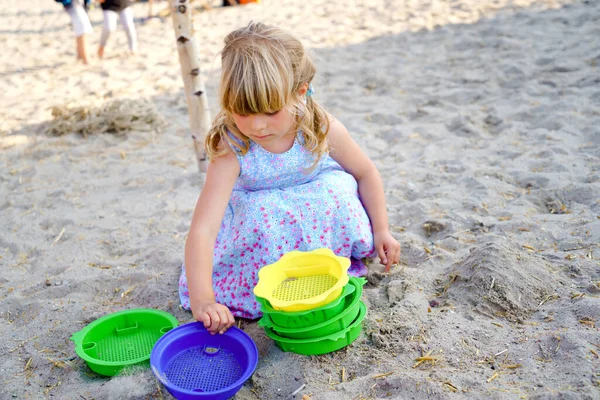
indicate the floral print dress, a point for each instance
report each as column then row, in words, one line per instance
column 279, row 205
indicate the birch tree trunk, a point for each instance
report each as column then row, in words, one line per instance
column 195, row 92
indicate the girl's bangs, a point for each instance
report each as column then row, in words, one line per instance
column 254, row 91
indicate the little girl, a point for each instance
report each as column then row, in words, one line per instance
column 110, row 9
column 283, row 175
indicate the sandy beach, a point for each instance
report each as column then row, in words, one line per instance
column 483, row 117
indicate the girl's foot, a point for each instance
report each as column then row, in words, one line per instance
column 100, row 52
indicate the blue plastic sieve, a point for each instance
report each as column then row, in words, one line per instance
column 193, row 364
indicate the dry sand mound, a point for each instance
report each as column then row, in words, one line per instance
column 502, row 280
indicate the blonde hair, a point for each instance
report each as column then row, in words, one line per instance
column 263, row 69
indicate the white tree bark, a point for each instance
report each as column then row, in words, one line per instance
column 193, row 83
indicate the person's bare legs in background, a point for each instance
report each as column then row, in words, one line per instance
column 81, row 27
column 110, row 24
column 82, row 49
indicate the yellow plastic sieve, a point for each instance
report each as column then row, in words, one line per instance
column 302, row 281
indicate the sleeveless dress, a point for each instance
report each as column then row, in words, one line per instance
column 277, row 206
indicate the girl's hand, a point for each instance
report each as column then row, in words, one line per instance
column 387, row 248
column 215, row 317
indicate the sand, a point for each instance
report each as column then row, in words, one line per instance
column 482, row 116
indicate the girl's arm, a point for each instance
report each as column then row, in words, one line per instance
column 350, row 156
column 206, row 221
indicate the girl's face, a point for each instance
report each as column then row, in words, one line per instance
column 265, row 128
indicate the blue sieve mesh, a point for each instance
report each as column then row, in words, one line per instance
column 196, row 370
column 126, row 348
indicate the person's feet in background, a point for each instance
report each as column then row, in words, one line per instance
column 111, row 10
column 81, row 25
column 81, row 44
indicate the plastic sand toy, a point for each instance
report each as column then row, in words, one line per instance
column 193, row 364
column 122, row 339
column 303, row 280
